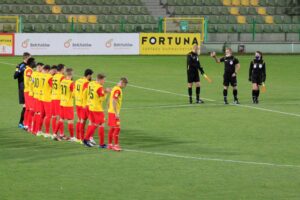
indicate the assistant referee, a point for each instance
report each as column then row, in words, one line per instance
column 193, row 69
column 19, row 75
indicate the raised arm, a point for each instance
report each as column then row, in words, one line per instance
column 214, row 55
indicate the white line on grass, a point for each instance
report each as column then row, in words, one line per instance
column 168, row 92
column 212, row 159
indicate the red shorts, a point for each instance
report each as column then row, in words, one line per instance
column 26, row 96
column 82, row 113
column 78, row 111
column 38, row 105
column 85, row 113
column 55, row 107
column 112, row 120
column 31, row 102
column 67, row 113
column 96, row 117
column 47, row 108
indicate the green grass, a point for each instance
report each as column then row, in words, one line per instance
column 37, row 168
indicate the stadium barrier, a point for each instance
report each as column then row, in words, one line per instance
column 77, row 44
column 125, row 44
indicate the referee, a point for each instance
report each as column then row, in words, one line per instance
column 231, row 69
column 193, row 69
column 257, row 75
column 19, row 75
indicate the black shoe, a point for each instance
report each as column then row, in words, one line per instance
column 104, row 146
column 191, row 100
column 87, row 143
column 199, row 101
column 225, row 101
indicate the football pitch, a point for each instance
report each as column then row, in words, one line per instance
column 172, row 150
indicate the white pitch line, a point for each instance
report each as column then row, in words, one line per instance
column 168, row 92
column 169, row 106
column 213, row 159
column 268, row 110
column 161, row 91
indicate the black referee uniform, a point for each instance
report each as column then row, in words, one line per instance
column 229, row 69
column 19, row 75
column 193, row 69
column 257, row 75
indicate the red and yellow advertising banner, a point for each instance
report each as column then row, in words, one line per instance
column 168, row 43
column 7, row 44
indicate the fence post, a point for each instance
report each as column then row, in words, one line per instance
column 253, row 29
column 160, row 24
column 20, row 24
column 205, row 29
column 72, row 25
column 122, row 29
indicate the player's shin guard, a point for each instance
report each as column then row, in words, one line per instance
column 47, row 124
column 101, row 135
column 78, row 130
column 71, row 129
column 235, row 93
column 110, row 135
column 26, row 116
column 30, row 120
column 116, row 135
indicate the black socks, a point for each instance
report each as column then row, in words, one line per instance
column 22, row 116
column 197, row 93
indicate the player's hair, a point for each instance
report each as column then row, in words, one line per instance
column 260, row 53
column 100, row 76
column 60, row 67
column 88, row 72
column 40, row 64
column 229, row 49
column 26, row 55
column 124, row 80
column 69, row 71
column 54, row 67
column 46, row 67
column 31, row 62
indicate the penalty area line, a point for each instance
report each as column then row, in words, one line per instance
column 212, row 159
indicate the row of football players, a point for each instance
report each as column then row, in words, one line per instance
column 49, row 98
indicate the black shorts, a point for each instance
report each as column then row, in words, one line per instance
column 21, row 93
column 193, row 77
column 228, row 79
column 256, row 79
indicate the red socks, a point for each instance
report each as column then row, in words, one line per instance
column 53, row 124
column 59, row 127
column 47, row 124
column 116, row 135
column 111, row 135
column 90, row 132
column 71, row 129
column 82, row 125
column 78, row 130
column 101, row 135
